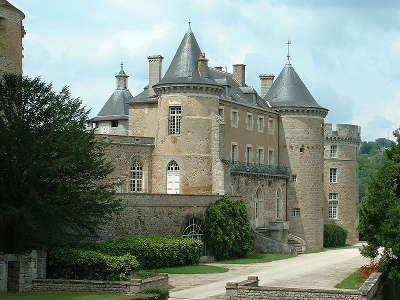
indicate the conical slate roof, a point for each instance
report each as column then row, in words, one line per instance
column 290, row 91
column 184, row 66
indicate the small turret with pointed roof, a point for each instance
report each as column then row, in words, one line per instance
column 122, row 79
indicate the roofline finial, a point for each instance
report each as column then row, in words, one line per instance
column 190, row 28
column 288, row 43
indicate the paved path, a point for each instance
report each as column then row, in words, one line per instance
column 317, row 270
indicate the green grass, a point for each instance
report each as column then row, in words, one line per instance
column 195, row 269
column 62, row 296
column 350, row 282
column 254, row 258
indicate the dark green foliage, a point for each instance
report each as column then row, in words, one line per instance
column 227, row 229
column 52, row 172
column 153, row 252
column 380, row 213
column 151, row 294
column 70, row 263
column 334, row 236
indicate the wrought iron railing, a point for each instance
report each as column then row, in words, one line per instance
column 254, row 168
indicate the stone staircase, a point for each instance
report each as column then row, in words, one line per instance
column 297, row 243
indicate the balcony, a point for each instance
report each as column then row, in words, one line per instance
column 257, row 169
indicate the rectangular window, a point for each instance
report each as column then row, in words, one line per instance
column 270, row 157
column 260, row 156
column 296, row 212
column 270, row 124
column 114, row 123
column 249, row 154
column 333, row 196
column 175, row 116
column 333, row 151
column 234, row 152
column 221, row 112
column 249, row 121
column 333, row 209
column 260, row 124
column 333, row 175
column 234, row 118
column 294, row 178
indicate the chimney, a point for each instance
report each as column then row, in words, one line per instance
column 155, row 64
column 203, row 65
column 218, row 68
column 266, row 81
column 239, row 73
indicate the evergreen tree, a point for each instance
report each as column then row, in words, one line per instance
column 53, row 185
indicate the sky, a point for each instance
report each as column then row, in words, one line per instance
column 346, row 52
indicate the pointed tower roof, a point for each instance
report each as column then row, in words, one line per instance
column 288, row 90
column 184, row 66
column 117, row 106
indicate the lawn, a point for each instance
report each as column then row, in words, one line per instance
column 350, row 282
column 194, row 269
column 62, row 296
column 254, row 258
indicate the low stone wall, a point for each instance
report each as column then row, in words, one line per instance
column 249, row 289
column 127, row 287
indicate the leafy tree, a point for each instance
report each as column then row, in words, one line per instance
column 227, row 229
column 52, row 170
column 380, row 213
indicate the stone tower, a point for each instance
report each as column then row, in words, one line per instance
column 188, row 101
column 11, row 34
column 341, row 188
column 301, row 143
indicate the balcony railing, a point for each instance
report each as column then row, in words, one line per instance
column 259, row 169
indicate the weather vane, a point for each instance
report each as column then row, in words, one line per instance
column 288, row 43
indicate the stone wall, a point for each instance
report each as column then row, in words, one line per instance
column 249, row 289
column 128, row 287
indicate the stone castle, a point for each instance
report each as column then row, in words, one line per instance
column 198, row 132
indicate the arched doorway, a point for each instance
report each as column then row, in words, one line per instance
column 194, row 230
column 173, row 178
column 259, row 208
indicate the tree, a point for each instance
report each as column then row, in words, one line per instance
column 53, row 185
column 380, row 213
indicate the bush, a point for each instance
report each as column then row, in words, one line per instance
column 70, row 263
column 334, row 236
column 227, row 229
column 153, row 252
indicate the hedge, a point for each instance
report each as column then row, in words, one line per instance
column 153, row 252
column 334, row 236
column 70, row 263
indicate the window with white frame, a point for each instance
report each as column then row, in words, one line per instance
column 270, row 157
column 296, row 212
column 333, row 209
column 270, row 124
column 234, row 152
column 249, row 154
column 294, row 177
column 234, row 118
column 249, row 121
column 279, row 204
column 333, row 196
column 260, row 156
column 174, row 120
column 333, row 151
column 333, row 175
column 136, row 178
column 260, row 124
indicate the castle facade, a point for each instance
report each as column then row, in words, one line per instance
column 199, row 130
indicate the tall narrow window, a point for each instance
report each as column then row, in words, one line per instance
column 333, row 209
column 249, row 154
column 173, row 178
column 270, row 124
column 260, row 124
column 221, row 112
column 136, row 185
column 270, row 157
column 234, row 152
column 333, row 175
column 260, row 156
column 234, row 118
column 249, row 121
column 174, row 120
column 279, row 204
column 333, row 151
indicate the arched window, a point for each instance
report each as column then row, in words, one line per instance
column 136, row 177
column 173, row 178
column 258, row 208
column 279, row 204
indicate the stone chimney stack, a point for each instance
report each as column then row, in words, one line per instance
column 239, row 73
column 155, row 65
column 203, row 65
column 266, row 81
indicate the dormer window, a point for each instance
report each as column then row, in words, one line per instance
column 114, row 123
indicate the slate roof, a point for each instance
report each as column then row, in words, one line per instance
column 288, row 90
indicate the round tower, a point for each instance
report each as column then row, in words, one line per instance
column 186, row 151
column 342, row 196
column 301, row 144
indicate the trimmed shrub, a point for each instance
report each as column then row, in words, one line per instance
column 70, row 263
column 334, row 236
column 227, row 229
column 154, row 251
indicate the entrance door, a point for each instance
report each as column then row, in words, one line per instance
column 173, row 178
column 12, row 276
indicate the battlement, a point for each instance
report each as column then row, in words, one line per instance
column 343, row 132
